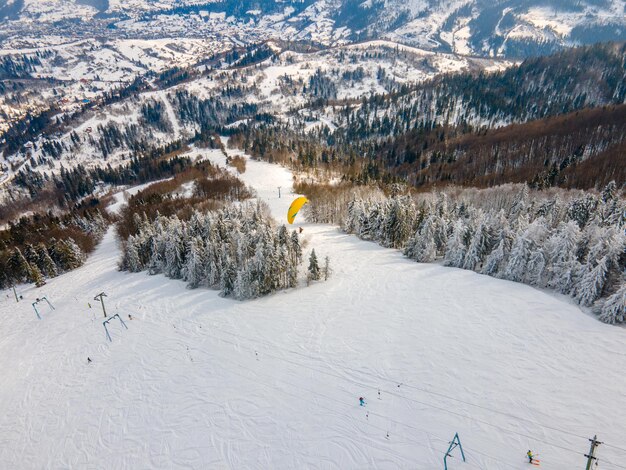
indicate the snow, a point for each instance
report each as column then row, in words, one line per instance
column 461, row 40
column 171, row 115
column 198, row 381
column 544, row 17
column 120, row 198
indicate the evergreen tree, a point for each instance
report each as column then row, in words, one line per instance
column 45, row 262
column 18, row 266
column 35, row 276
column 614, row 309
column 590, row 287
column 228, row 278
column 422, row 247
column 130, row 257
column 480, row 246
column 396, row 226
column 562, row 249
column 525, row 244
column 173, row 256
column 67, row 255
column 496, row 260
column 609, row 192
column 30, row 254
column 354, row 216
column 296, row 249
column 326, row 271
column 195, row 262
column 456, row 248
column 314, row 269
column 520, row 204
column 242, row 288
column 581, row 210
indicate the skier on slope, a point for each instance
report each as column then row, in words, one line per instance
column 361, row 401
column 530, row 456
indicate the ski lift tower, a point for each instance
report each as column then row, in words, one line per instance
column 456, row 442
column 38, row 300
column 100, row 297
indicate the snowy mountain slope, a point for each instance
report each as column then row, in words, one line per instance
column 68, row 72
column 279, row 85
column 511, row 28
column 201, row 381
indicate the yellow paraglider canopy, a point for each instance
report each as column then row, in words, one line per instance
column 295, row 207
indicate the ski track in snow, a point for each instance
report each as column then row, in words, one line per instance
column 171, row 115
column 198, row 381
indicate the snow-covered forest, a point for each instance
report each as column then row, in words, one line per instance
column 237, row 250
column 45, row 245
column 575, row 245
column 204, row 381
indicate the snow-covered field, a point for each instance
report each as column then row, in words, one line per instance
column 198, row 381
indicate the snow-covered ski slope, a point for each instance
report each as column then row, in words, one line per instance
column 198, row 381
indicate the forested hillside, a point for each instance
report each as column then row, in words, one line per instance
column 583, row 149
column 551, row 121
column 572, row 243
column 539, row 87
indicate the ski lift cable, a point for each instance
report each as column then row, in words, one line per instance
column 614, row 447
column 404, row 397
column 437, row 394
column 438, row 408
column 345, row 404
column 372, row 413
column 233, row 370
column 399, row 396
column 605, row 461
column 432, row 393
column 471, row 451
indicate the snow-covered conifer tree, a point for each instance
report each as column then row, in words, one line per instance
column 296, row 249
column 614, row 308
column 174, row 251
column 242, row 286
column 130, row 257
column 456, row 248
column 421, row 247
column 35, row 276
column 354, row 216
column 46, row 264
column 496, row 260
column 369, row 223
column 326, row 270
column 562, row 251
column 155, row 265
column 314, row 269
column 18, row 266
column 581, row 210
column 480, row 246
column 193, row 270
column 69, row 254
column 520, row 204
column 397, row 223
column 228, row 277
column 590, row 286
column 524, row 245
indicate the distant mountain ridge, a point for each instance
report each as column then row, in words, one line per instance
column 512, row 28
